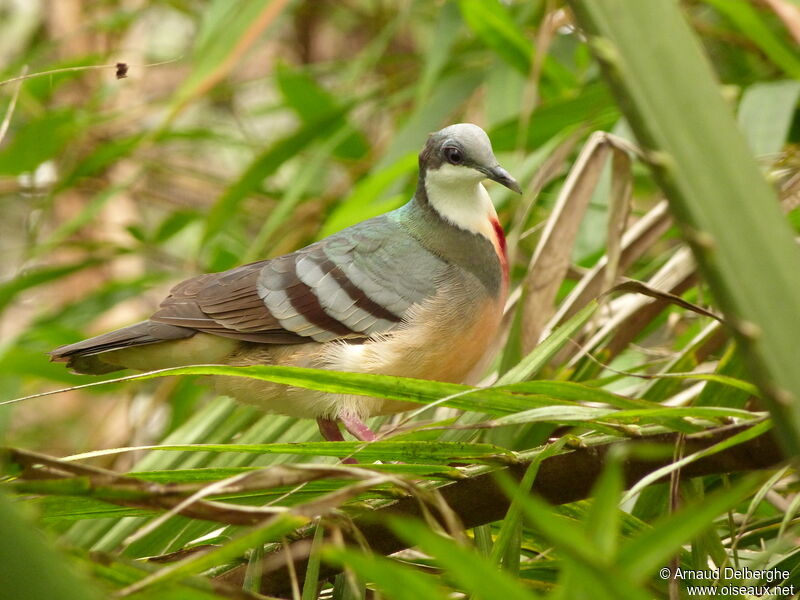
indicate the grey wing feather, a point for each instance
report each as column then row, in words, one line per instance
column 354, row 284
column 387, row 264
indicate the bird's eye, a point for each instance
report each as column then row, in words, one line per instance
column 453, row 155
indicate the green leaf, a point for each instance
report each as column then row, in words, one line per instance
column 504, row 544
column 308, row 174
column 120, row 573
column 447, row 96
column 492, row 23
column 446, row 31
column 57, row 509
column 174, row 224
column 743, row 436
column 273, row 530
column 264, row 165
column 364, row 201
column 664, row 386
column 567, row 537
column 399, row 582
column 42, row 89
column 226, row 31
column 540, row 355
column 714, row 393
column 465, row 566
column 590, row 107
column 482, row 535
column 576, row 392
column 411, row 451
column 38, row 141
column 311, row 102
column 101, row 158
column 419, row 391
column 311, row 581
column 87, row 214
column 750, row 22
column 34, row 277
column 209, row 474
column 641, row 556
column 255, row 567
column 603, row 519
column 578, row 414
column 215, row 422
column 765, row 114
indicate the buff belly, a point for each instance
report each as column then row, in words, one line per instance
column 455, row 337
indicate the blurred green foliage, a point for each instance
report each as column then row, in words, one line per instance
column 245, row 130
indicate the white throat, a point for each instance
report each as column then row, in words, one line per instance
column 458, row 195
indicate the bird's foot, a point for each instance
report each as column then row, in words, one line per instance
column 357, row 428
column 329, row 429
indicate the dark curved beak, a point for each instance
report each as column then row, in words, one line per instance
column 503, row 177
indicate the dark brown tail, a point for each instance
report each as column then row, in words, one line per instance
column 81, row 356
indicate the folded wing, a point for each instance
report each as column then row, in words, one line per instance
column 351, row 285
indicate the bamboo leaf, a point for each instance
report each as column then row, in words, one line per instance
column 569, row 539
column 34, row 277
column 494, row 26
column 542, row 353
column 504, row 545
column 576, row 392
column 312, row 103
column 749, row 21
column 603, row 519
column 578, row 414
column 590, row 107
column 643, row 555
column 743, row 436
column 765, row 114
column 463, row 565
column 311, row 581
column 402, row 583
column 412, row 451
column 364, row 200
column 727, row 210
column 447, row 95
column 274, row 529
column 265, row 165
column 227, row 32
column 447, row 28
column 38, row 141
column 418, row 391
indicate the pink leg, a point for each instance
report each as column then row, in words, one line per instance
column 358, row 429
column 330, row 431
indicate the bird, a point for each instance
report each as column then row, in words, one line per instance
column 416, row 292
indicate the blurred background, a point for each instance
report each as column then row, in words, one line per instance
column 151, row 140
column 244, row 130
